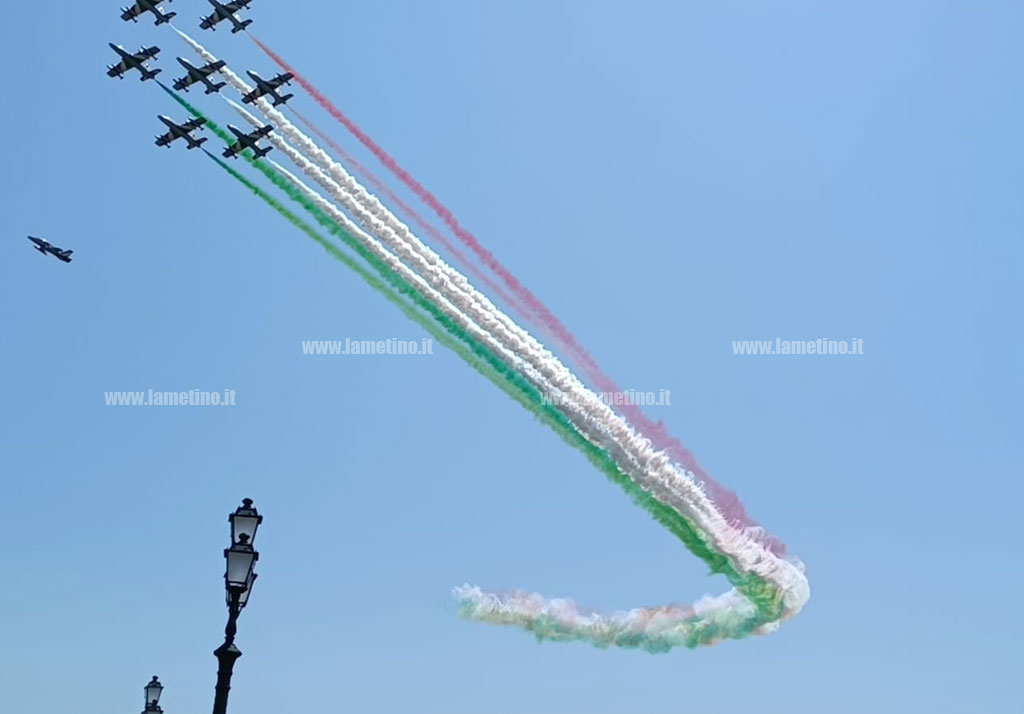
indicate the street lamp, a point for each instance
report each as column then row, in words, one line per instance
column 244, row 521
column 239, row 577
column 153, row 691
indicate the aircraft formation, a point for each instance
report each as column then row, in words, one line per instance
column 269, row 88
column 138, row 61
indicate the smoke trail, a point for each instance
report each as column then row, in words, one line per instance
column 381, row 188
column 590, row 415
column 650, row 471
column 765, row 595
column 655, row 629
column 674, row 626
column 668, row 483
column 726, row 500
column 697, row 636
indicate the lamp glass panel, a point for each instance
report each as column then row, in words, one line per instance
column 240, row 562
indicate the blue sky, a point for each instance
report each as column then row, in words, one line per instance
column 668, row 177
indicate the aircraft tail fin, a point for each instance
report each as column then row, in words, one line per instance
column 241, row 26
column 214, row 88
column 284, row 99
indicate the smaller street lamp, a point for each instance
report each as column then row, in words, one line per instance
column 153, row 691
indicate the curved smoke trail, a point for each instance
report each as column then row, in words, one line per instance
column 649, row 469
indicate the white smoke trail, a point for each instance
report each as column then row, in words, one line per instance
column 648, row 467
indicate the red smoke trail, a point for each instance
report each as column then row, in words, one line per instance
column 726, row 501
column 408, row 210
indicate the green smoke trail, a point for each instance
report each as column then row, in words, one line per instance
column 763, row 594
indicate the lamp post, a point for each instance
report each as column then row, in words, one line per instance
column 239, row 577
column 153, row 691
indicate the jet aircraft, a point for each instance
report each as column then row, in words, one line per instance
column 181, row 131
column 44, row 247
column 134, row 61
column 141, row 6
column 226, row 11
column 248, row 141
column 194, row 75
column 269, row 87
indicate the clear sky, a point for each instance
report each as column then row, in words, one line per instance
column 668, row 177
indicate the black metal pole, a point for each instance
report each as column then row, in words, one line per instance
column 226, row 656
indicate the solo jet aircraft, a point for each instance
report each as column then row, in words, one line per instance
column 248, row 141
column 226, row 11
column 202, row 74
column 45, row 247
column 134, row 61
column 181, row 131
column 269, row 87
column 133, row 12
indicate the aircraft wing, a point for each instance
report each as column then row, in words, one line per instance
column 193, row 124
column 279, row 80
column 146, row 53
column 237, row 5
column 263, row 131
column 130, row 13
